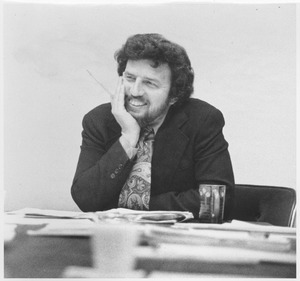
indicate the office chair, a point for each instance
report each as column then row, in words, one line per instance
column 269, row 204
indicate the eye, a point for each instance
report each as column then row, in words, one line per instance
column 129, row 78
column 150, row 83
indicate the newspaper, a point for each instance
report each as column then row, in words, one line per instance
column 119, row 214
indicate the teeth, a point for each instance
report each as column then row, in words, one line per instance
column 136, row 103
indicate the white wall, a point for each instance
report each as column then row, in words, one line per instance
column 244, row 57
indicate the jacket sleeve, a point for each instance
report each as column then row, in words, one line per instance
column 212, row 165
column 101, row 170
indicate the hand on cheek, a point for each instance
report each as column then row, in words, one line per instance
column 129, row 126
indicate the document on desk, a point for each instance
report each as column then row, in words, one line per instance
column 74, row 227
column 57, row 219
column 118, row 214
column 209, row 254
column 48, row 214
column 68, row 223
column 143, row 217
column 216, row 245
column 209, row 237
column 241, row 226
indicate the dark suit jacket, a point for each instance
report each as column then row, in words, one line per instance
column 189, row 149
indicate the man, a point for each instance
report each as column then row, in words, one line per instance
column 187, row 146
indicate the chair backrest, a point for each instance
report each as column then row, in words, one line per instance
column 259, row 203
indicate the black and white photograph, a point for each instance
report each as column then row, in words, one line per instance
column 151, row 139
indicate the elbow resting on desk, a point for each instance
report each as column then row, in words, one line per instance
column 90, row 201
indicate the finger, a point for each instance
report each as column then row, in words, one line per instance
column 120, row 83
column 116, row 92
column 118, row 98
column 121, row 95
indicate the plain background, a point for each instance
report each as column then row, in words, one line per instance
column 244, row 58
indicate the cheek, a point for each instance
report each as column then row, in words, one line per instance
column 127, row 88
column 159, row 99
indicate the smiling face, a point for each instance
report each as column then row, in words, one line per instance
column 147, row 91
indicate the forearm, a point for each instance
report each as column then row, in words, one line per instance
column 97, row 184
column 177, row 201
column 189, row 200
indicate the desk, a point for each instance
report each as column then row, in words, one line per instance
column 47, row 257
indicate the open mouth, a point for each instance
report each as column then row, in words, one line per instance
column 136, row 103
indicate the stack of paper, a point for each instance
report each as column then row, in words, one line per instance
column 73, row 227
column 236, row 242
column 149, row 217
column 237, row 225
column 209, row 237
column 211, row 254
column 117, row 215
column 68, row 223
column 236, row 234
column 50, row 214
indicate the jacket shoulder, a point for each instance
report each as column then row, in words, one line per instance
column 101, row 115
column 201, row 110
column 100, row 112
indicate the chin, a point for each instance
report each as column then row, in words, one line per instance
column 136, row 115
column 140, row 118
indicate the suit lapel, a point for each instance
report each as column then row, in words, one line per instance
column 169, row 146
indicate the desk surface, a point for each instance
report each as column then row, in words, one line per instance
column 47, row 257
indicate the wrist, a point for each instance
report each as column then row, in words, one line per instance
column 131, row 139
column 129, row 149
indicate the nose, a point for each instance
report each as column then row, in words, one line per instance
column 137, row 89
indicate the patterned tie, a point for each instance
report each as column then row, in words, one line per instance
column 135, row 193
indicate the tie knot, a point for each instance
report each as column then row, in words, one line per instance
column 147, row 133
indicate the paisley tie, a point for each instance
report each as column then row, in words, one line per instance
column 135, row 193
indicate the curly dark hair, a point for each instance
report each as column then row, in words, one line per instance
column 155, row 47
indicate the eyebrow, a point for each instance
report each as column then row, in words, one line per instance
column 145, row 78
